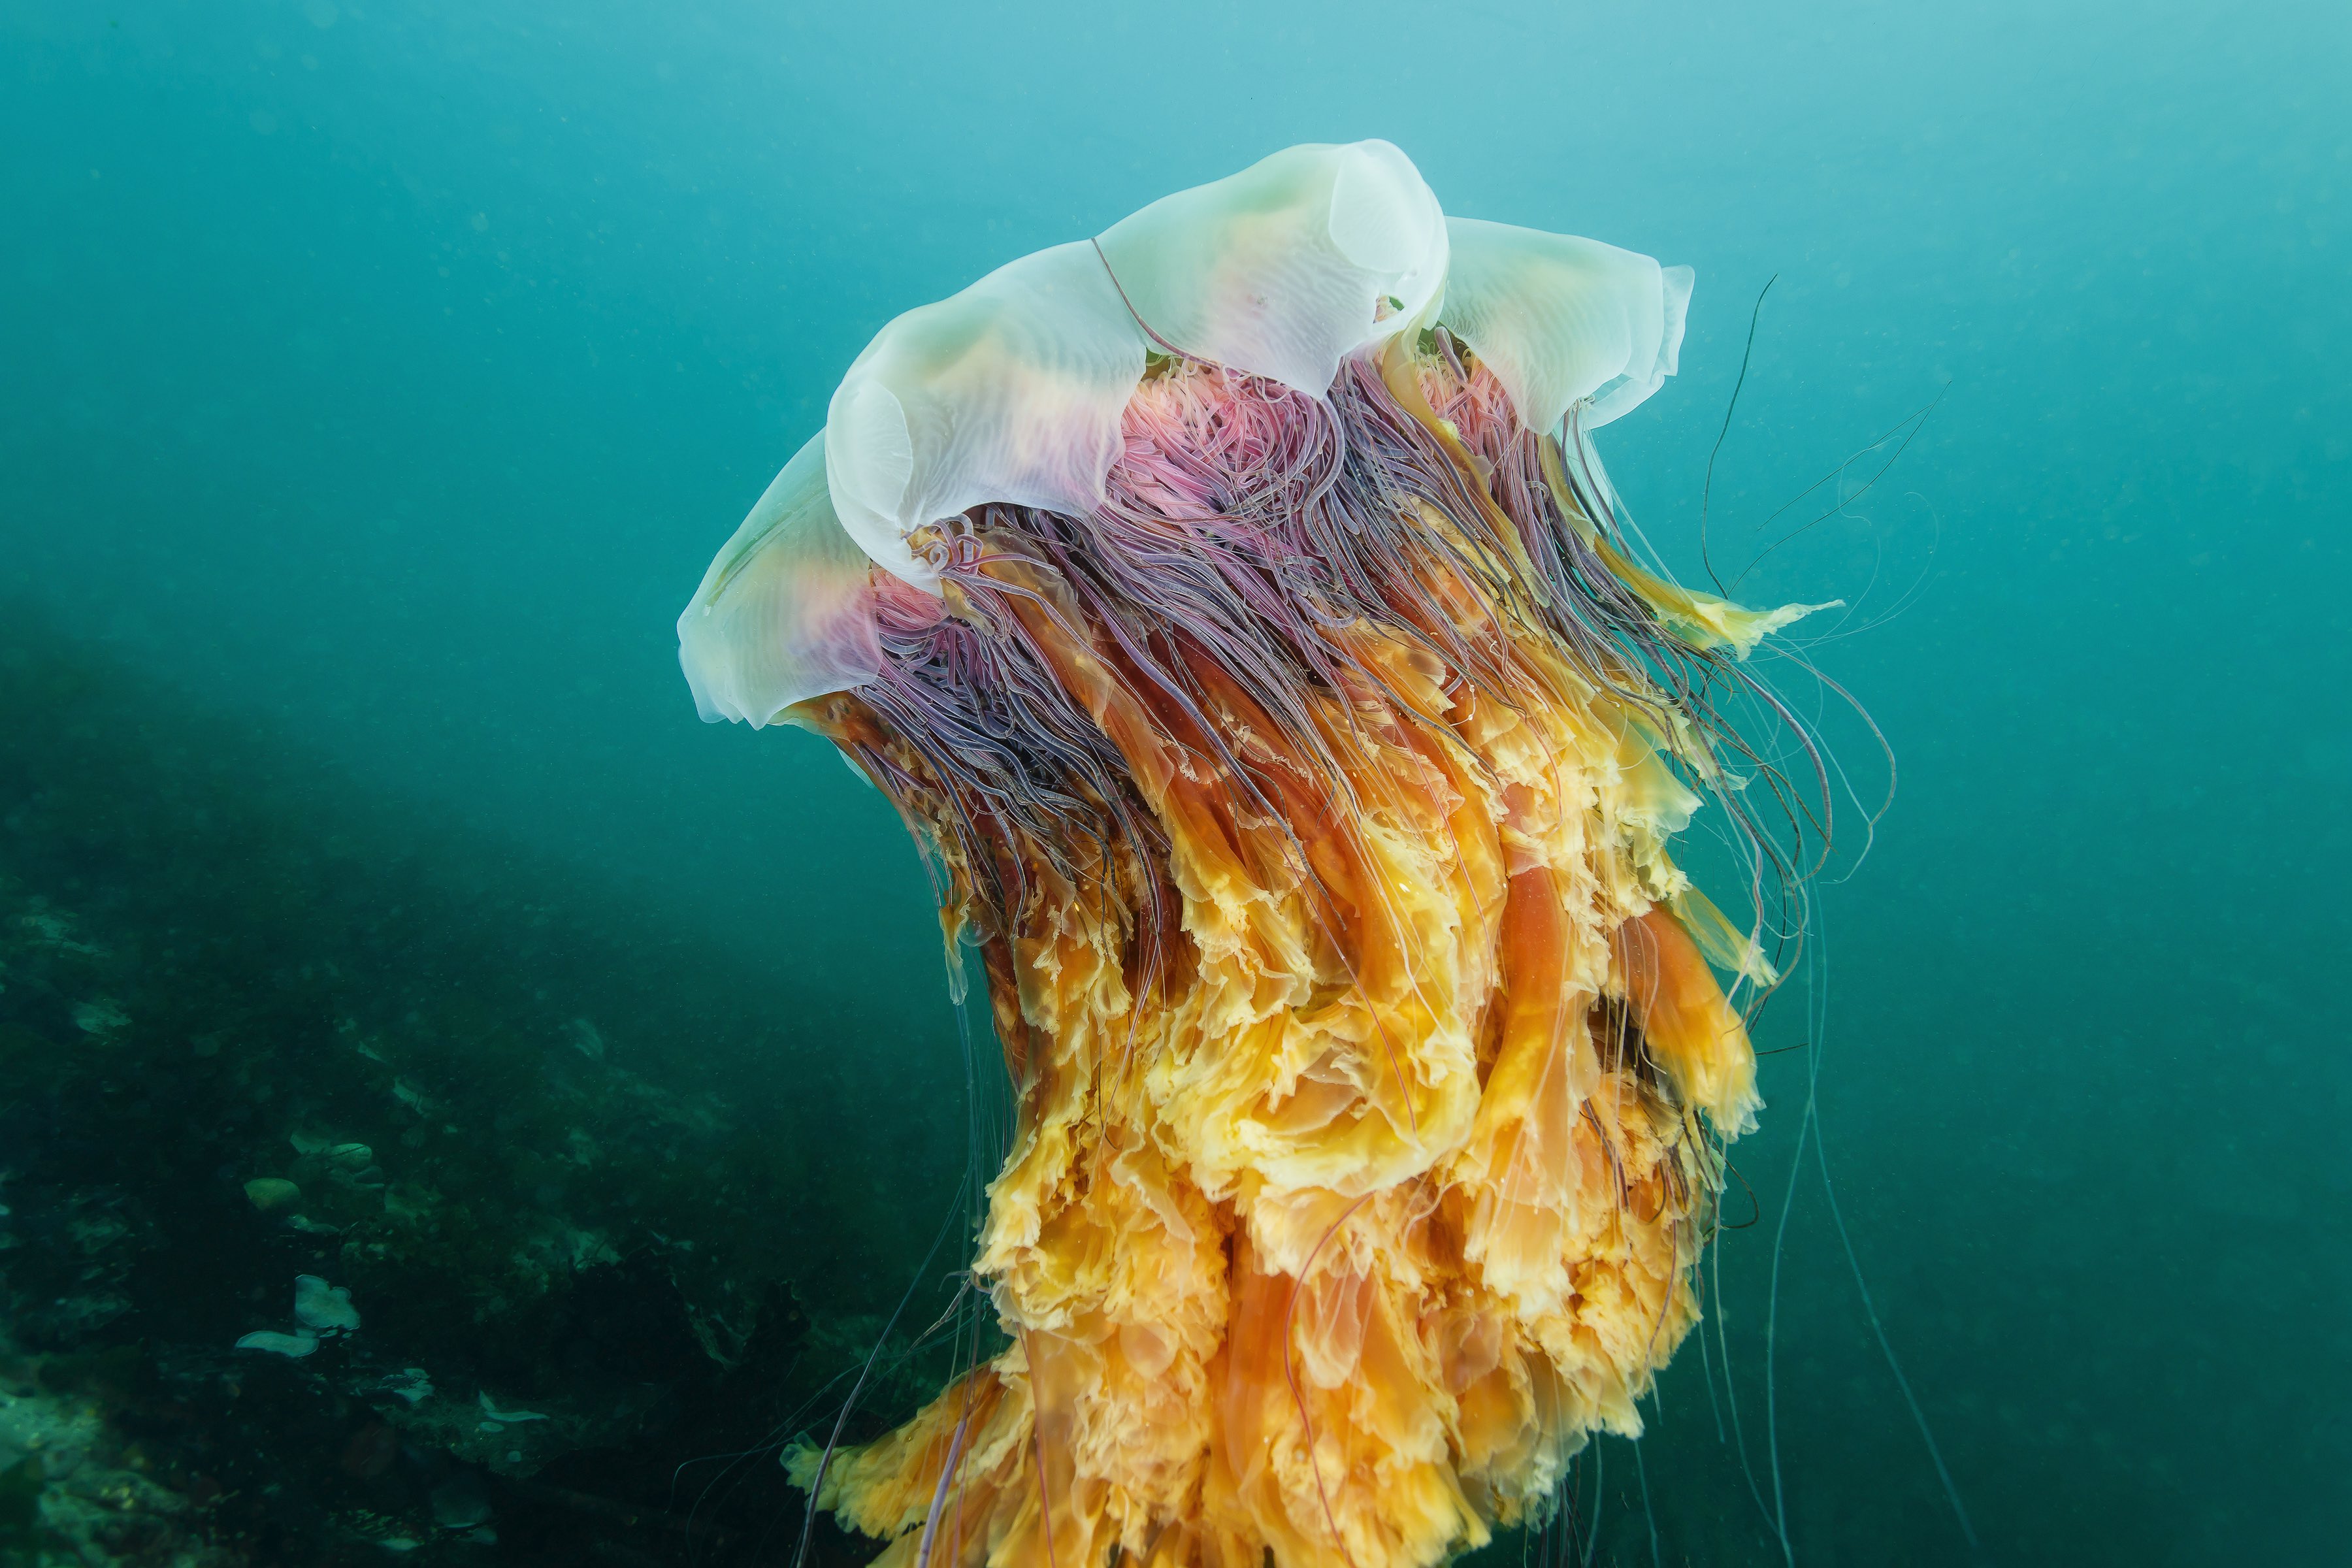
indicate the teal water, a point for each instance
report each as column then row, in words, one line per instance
column 381, row 377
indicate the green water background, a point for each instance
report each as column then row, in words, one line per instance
column 383, row 375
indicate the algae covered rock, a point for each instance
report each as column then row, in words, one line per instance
column 272, row 1195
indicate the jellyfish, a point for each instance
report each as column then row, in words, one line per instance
column 1237, row 612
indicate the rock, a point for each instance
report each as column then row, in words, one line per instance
column 272, row 1193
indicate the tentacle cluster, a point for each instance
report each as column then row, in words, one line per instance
column 1309, row 801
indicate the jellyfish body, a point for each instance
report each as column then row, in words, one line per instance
column 1233, row 607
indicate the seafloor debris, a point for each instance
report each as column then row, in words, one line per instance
column 491, row 1411
column 324, row 1310
column 324, row 1307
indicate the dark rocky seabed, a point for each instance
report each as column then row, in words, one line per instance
column 257, row 1025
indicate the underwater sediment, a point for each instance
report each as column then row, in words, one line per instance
column 1237, row 612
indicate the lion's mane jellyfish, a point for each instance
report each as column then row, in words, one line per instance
column 1234, row 608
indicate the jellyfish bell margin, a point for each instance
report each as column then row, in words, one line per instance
column 1234, row 606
